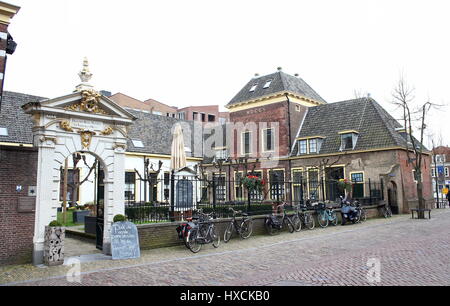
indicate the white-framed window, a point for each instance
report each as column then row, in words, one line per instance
column 130, row 186
column 254, row 87
column 246, row 142
column 433, row 172
column 440, row 158
column 268, row 83
column 302, row 147
column 268, row 139
column 222, row 154
column 182, row 116
column 313, row 146
column 348, row 141
column 446, row 172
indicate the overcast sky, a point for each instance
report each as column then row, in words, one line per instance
column 203, row 52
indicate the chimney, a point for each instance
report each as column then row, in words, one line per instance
column 7, row 44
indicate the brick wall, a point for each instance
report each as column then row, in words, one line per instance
column 276, row 112
column 17, row 167
column 410, row 186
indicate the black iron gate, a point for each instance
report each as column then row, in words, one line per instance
column 100, row 200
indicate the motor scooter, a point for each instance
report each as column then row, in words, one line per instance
column 348, row 212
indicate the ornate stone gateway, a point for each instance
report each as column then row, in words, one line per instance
column 87, row 122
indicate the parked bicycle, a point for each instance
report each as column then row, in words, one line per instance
column 275, row 223
column 184, row 228
column 204, row 232
column 361, row 215
column 386, row 211
column 306, row 218
column 244, row 228
column 326, row 215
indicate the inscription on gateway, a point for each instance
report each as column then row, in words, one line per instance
column 87, row 125
column 124, row 241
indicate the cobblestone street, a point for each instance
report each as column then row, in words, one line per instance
column 410, row 252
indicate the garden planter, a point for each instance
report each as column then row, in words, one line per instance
column 54, row 245
column 89, row 225
column 79, row 215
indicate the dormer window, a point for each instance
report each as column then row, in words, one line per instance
column 302, row 147
column 348, row 140
column 268, row 83
column 310, row 145
column 253, row 87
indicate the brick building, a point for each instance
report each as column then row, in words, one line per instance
column 204, row 114
column 294, row 139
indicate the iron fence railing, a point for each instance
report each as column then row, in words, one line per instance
column 177, row 197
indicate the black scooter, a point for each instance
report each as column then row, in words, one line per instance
column 348, row 212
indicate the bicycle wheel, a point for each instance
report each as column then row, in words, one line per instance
column 322, row 218
column 334, row 218
column 215, row 237
column 270, row 229
column 357, row 217
column 389, row 212
column 363, row 215
column 192, row 241
column 228, row 232
column 309, row 221
column 297, row 223
column 289, row 224
column 246, row 228
column 385, row 213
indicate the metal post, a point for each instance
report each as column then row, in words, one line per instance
column 322, row 186
column 214, row 193
column 301, row 192
column 172, row 196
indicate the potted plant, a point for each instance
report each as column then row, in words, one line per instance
column 253, row 183
column 54, row 244
column 119, row 218
column 79, row 214
column 345, row 185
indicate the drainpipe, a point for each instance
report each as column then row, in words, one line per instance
column 290, row 144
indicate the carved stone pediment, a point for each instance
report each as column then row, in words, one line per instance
column 87, row 104
column 90, row 103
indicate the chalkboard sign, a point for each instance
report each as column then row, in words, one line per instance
column 124, row 241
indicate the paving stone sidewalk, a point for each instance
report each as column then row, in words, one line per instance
column 410, row 252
